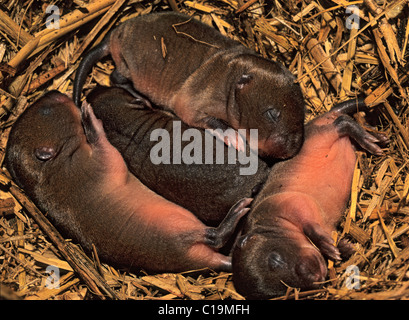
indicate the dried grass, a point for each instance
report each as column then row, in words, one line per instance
column 331, row 63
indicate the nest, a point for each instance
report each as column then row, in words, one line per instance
column 336, row 49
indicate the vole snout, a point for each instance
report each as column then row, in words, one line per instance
column 311, row 270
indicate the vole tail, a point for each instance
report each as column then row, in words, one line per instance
column 350, row 106
column 98, row 52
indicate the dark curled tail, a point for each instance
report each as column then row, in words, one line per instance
column 350, row 106
column 95, row 54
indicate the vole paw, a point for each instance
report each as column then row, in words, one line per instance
column 346, row 248
column 217, row 237
column 322, row 240
column 92, row 126
column 367, row 140
column 141, row 103
column 241, row 204
column 230, row 137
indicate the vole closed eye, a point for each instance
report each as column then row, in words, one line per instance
column 272, row 114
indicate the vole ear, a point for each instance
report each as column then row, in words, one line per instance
column 45, row 153
column 243, row 81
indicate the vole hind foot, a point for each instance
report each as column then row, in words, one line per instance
column 257, row 188
column 322, row 240
column 139, row 101
column 92, row 126
column 217, row 237
column 382, row 138
column 347, row 126
column 120, row 81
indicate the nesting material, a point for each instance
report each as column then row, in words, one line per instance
column 336, row 51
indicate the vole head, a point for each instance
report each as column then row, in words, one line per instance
column 266, row 98
column 266, row 263
column 46, row 131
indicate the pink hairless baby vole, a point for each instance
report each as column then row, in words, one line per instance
column 62, row 159
column 208, row 80
column 287, row 233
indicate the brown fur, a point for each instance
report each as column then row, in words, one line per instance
column 205, row 78
column 207, row 190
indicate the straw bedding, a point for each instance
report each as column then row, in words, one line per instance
column 336, row 49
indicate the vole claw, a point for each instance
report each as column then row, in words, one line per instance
column 346, row 248
column 322, row 240
column 230, row 137
column 217, row 237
